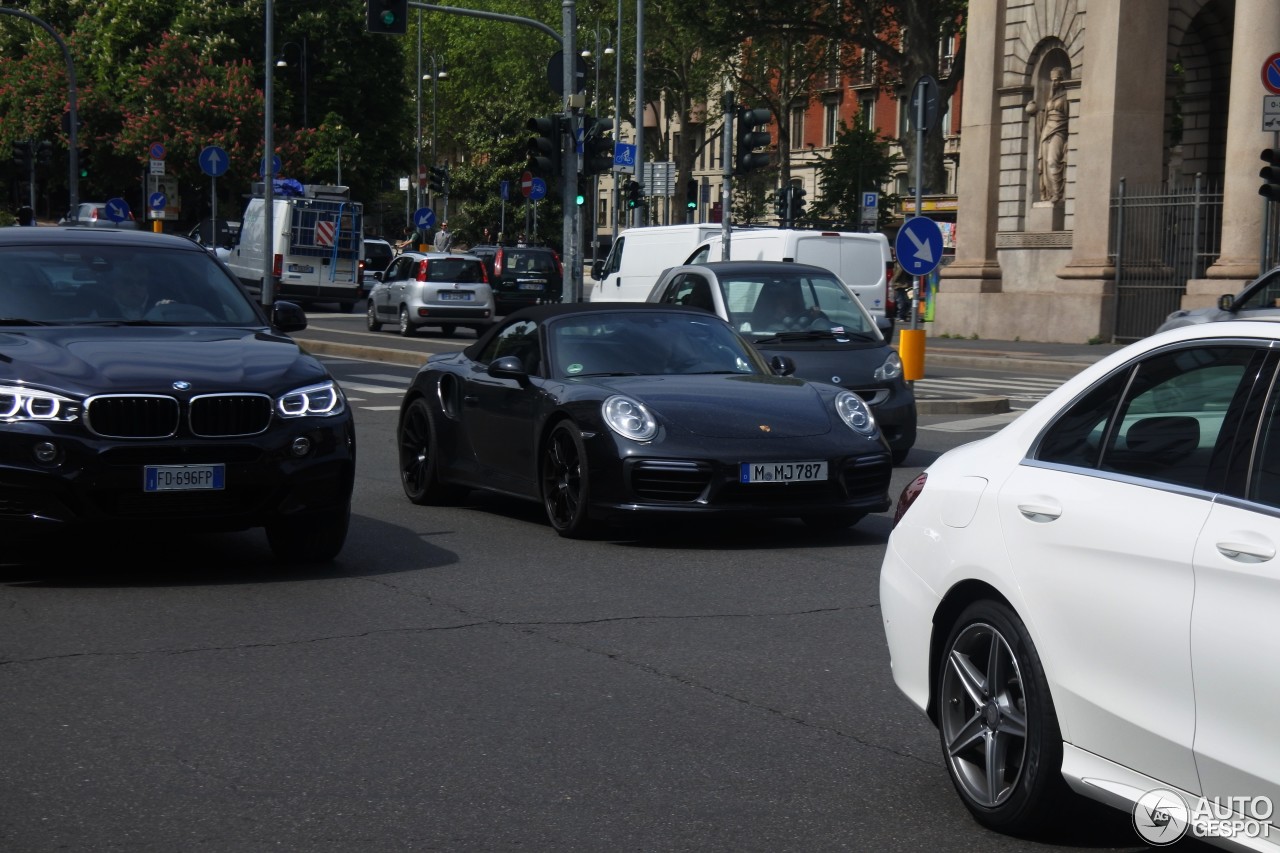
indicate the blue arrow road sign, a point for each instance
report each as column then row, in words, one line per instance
column 117, row 209
column 539, row 189
column 275, row 164
column 157, row 201
column 919, row 245
column 214, row 161
column 504, row 190
column 424, row 217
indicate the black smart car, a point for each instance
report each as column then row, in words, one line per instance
column 140, row 385
column 522, row 275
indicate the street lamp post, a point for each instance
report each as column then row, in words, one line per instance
column 281, row 62
column 437, row 74
column 595, row 187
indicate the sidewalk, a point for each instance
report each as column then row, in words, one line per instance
column 1032, row 357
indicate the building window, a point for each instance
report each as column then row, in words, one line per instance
column 867, row 112
column 797, row 128
column 831, row 124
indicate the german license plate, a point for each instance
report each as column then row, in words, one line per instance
column 183, row 478
column 455, row 296
column 783, row 472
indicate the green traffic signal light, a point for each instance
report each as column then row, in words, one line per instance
column 388, row 18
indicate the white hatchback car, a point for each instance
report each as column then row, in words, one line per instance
column 1088, row 599
column 443, row 290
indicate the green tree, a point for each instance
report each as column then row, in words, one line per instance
column 859, row 161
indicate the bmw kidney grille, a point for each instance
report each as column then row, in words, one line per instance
column 155, row 416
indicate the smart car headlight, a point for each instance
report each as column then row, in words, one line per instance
column 324, row 400
column 891, row 369
column 32, row 404
column 854, row 411
column 629, row 418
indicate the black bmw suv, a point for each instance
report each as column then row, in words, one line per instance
column 140, row 387
column 522, row 275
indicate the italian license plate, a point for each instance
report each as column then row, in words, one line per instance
column 455, row 296
column 183, row 478
column 300, row 268
column 533, row 285
column 783, row 472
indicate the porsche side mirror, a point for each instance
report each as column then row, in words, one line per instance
column 507, row 367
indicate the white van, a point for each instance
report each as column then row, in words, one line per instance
column 861, row 260
column 639, row 256
column 316, row 249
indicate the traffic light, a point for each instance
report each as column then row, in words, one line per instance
column 44, row 152
column 439, row 180
column 750, row 135
column 780, row 200
column 1270, row 174
column 82, row 160
column 691, row 194
column 795, row 210
column 22, row 155
column 634, row 198
column 581, row 196
column 544, row 149
column 597, row 149
column 390, row 17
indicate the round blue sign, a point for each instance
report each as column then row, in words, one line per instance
column 156, row 151
column 117, row 209
column 538, row 190
column 157, row 201
column 214, row 161
column 424, row 217
column 275, row 164
column 919, row 245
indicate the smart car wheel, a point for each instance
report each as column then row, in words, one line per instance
column 420, row 459
column 315, row 537
column 565, row 484
column 406, row 327
column 371, row 317
column 999, row 730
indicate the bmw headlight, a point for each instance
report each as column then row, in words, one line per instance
column 31, row 404
column 323, row 400
column 854, row 411
column 629, row 418
column 891, row 369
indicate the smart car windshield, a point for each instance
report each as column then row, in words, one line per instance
column 774, row 304
column 68, row 285
column 643, row 343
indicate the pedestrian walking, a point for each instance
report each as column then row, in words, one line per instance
column 444, row 238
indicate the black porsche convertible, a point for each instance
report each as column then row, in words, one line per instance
column 609, row 412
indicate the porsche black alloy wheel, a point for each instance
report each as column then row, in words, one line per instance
column 565, row 483
column 999, row 730
column 419, row 458
column 371, row 317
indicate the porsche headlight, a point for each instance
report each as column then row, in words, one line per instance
column 31, row 404
column 856, row 413
column 323, row 400
column 629, row 418
column 891, row 369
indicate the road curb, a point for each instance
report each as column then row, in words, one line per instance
column 965, row 406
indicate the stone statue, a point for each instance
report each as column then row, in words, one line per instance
column 1052, row 124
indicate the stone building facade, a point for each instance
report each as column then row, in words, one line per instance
column 1152, row 89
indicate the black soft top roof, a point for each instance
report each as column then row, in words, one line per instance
column 552, row 310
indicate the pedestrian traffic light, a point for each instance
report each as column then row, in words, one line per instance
column 597, row 148
column 691, row 194
column 1270, row 174
column 439, row 180
column 22, row 155
column 634, row 199
column 580, row 198
column 390, row 17
column 750, row 134
column 544, row 149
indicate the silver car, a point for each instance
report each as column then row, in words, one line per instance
column 437, row 289
column 1259, row 298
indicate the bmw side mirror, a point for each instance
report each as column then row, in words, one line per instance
column 288, row 317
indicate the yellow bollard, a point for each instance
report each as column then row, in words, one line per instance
column 911, row 351
column 157, row 226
